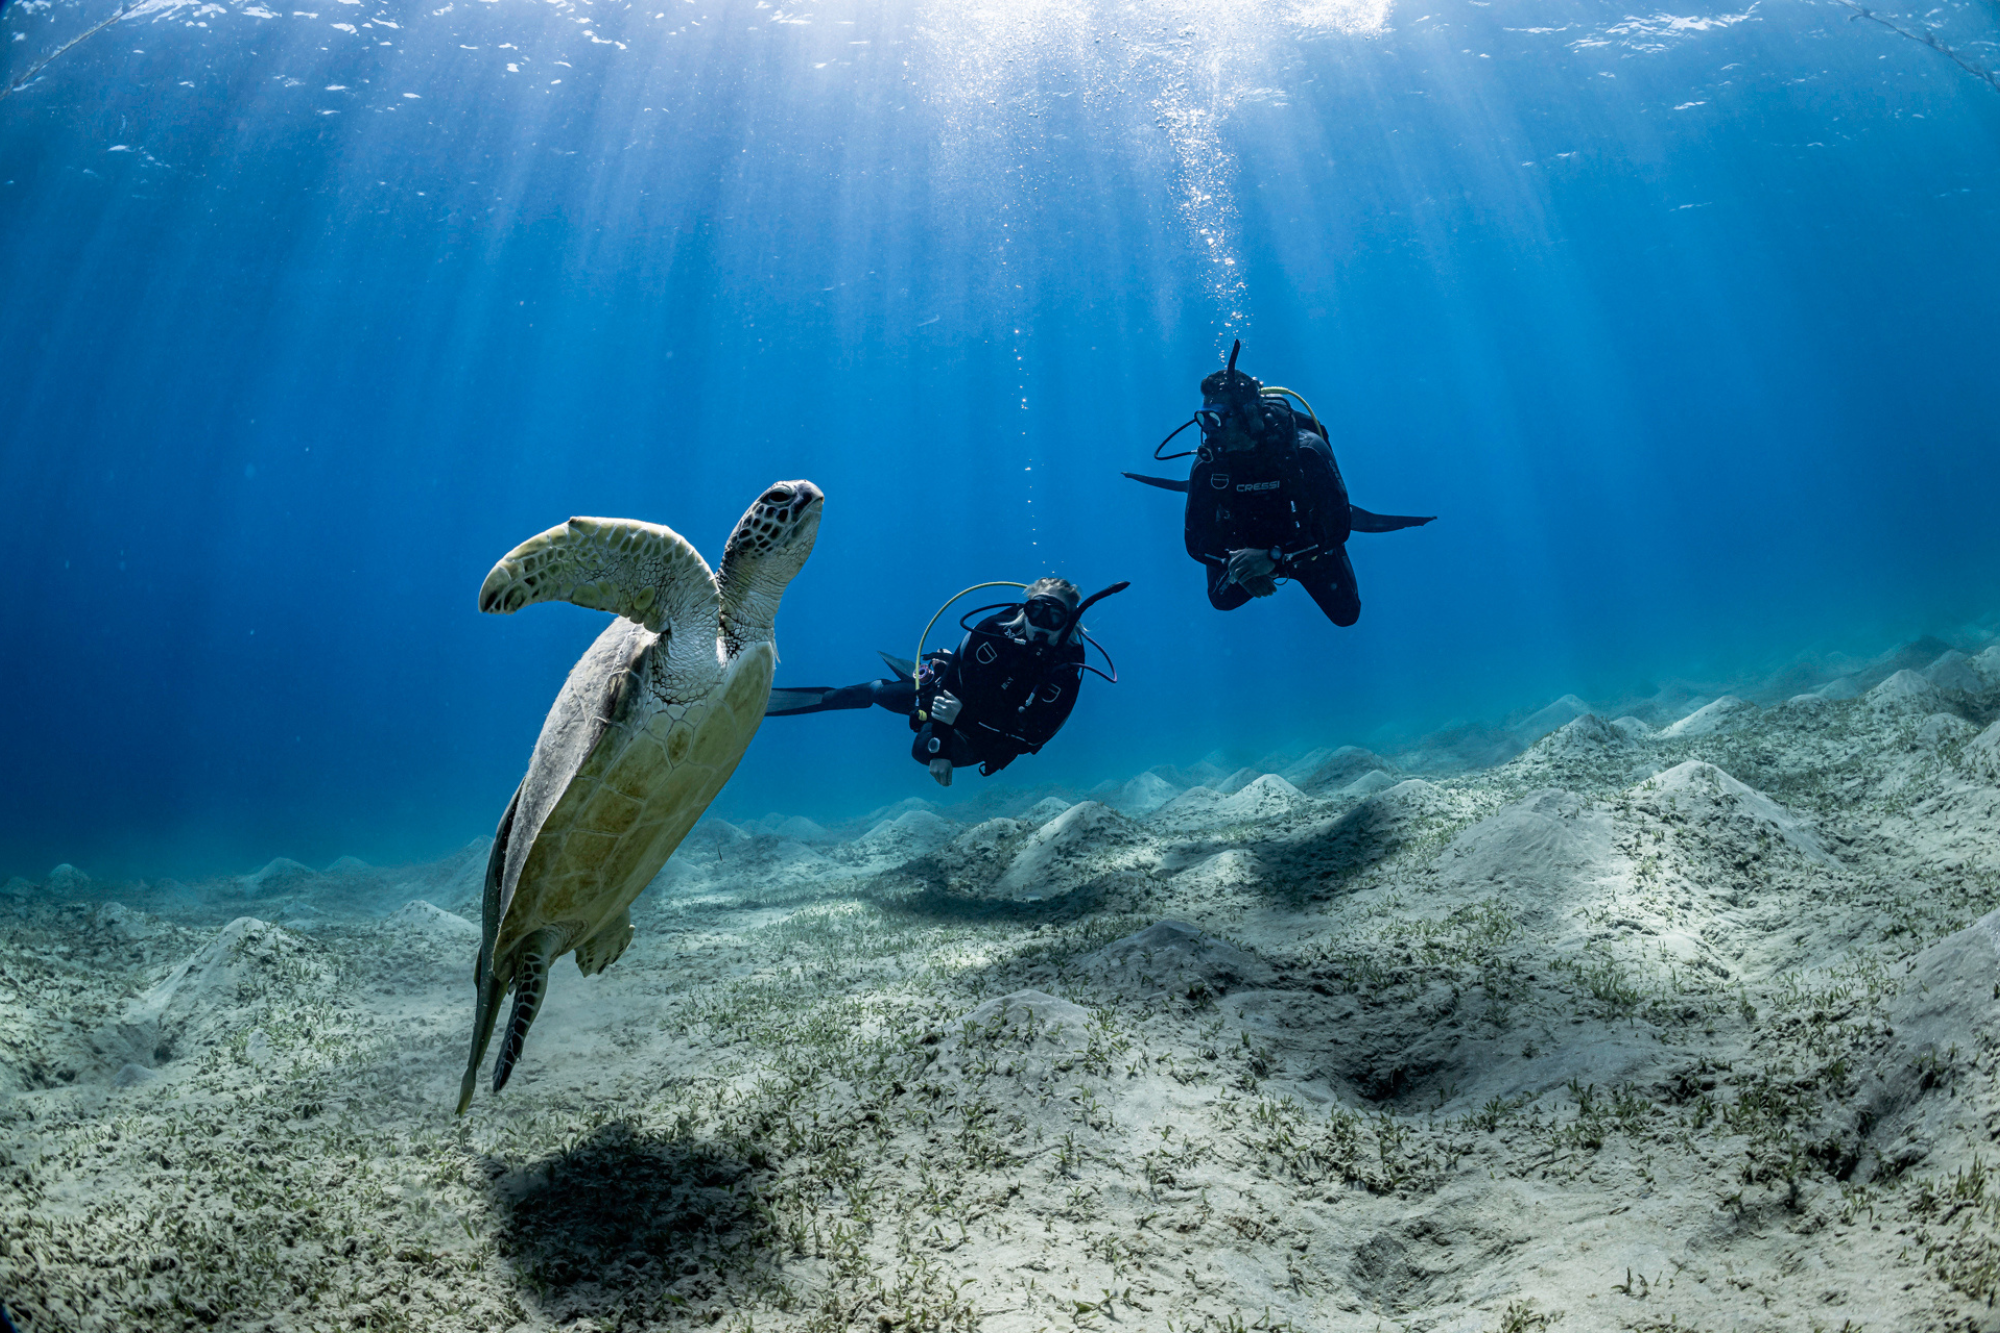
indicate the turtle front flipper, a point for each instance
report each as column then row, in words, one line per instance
column 531, row 983
column 642, row 571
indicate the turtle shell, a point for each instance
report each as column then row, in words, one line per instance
column 618, row 778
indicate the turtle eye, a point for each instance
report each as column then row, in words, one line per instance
column 777, row 495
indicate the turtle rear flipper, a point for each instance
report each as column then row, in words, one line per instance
column 486, row 1006
column 531, row 984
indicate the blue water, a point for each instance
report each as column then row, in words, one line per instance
column 1684, row 324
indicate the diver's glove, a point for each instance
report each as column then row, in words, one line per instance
column 1252, row 565
column 941, row 770
column 944, row 709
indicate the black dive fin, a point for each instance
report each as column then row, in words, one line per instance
column 805, row 699
column 1164, row 483
column 1363, row 521
column 904, row 668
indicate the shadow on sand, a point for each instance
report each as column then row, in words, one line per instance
column 632, row 1224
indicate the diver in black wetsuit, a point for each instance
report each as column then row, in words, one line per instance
column 1003, row 692
column 1265, row 499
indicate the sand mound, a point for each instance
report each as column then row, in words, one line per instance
column 1945, row 1014
column 1237, row 781
column 422, row 918
column 219, row 990
column 912, row 833
column 1174, row 957
column 1031, row 1011
column 1330, row 770
column 1724, row 714
column 1067, row 849
column 1042, row 811
column 1539, row 847
column 1706, row 797
column 1195, row 805
column 800, row 829
column 1587, row 735
column 1942, row 729
column 1982, row 753
column 1905, row 689
column 67, row 881
column 1368, row 784
column 1325, row 853
column 1955, row 671
column 278, row 877
column 1221, row 875
column 1268, row 797
column 1554, row 717
column 986, row 838
column 1141, row 796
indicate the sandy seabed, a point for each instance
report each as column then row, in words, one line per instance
column 1687, row 1018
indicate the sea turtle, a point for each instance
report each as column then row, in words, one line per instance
column 647, row 728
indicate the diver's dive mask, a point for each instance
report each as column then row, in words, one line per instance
column 1046, row 617
column 1232, row 406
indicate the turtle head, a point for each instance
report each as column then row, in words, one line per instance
column 768, row 547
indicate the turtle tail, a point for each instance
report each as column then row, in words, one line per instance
column 531, row 983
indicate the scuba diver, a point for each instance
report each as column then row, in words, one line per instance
column 1005, row 691
column 1265, row 500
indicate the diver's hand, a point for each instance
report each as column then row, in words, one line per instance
column 945, row 708
column 1252, row 564
column 941, row 770
column 1262, row 585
